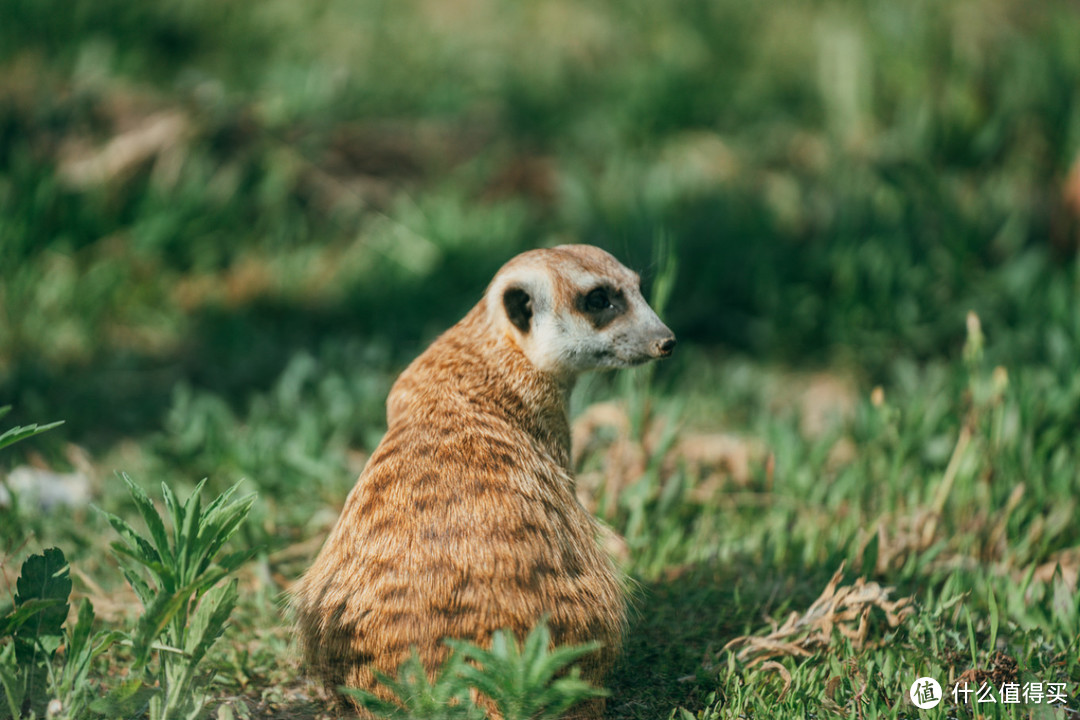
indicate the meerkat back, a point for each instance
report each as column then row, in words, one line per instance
column 465, row 519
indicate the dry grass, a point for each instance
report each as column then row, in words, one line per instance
column 843, row 609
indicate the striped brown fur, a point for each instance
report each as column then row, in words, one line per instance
column 465, row 519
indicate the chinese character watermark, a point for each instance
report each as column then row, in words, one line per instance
column 1010, row 693
column 925, row 693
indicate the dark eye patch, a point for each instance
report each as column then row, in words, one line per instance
column 601, row 305
column 597, row 300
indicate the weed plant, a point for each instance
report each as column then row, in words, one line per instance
column 523, row 680
column 177, row 577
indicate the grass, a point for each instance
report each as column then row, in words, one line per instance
column 224, row 228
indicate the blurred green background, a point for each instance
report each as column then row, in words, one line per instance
column 198, row 192
column 225, row 225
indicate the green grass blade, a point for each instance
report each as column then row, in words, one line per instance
column 14, row 688
column 80, row 634
column 995, row 619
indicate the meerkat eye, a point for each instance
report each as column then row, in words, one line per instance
column 597, row 300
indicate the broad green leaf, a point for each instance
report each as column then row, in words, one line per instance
column 43, row 577
column 17, row 618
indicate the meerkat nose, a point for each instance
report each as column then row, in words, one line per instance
column 665, row 347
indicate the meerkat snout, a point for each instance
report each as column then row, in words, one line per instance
column 665, row 347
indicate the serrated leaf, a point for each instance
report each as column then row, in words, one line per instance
column 222, row 526
column 125, row 701
column 150, row 626
column 142, row 551
column 17, row 434
column 80, row 634
column 220, row 500
column 446, row 698
column 522, row 679
column 173, row 507
column 163, row 574
column 82, row 648
column 142, row 589
column 232, row 561
column 187, row 610
column 189, row 533
column 149, row 515
column 208, row 621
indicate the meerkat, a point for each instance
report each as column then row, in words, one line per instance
column 465, row 519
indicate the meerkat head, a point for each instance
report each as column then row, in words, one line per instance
column 574, row 308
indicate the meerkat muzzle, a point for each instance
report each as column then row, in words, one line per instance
column 664, row 347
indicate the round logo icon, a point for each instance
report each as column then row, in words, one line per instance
column 925, row 693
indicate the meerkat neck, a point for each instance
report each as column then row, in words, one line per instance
column 538, row 400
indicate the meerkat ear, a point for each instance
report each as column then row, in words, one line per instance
column 518, row 307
